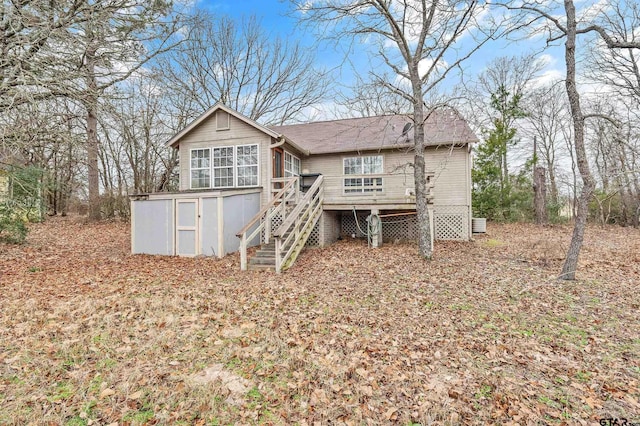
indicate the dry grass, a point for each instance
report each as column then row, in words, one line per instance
column 481, row 334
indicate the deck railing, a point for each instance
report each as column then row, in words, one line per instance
column 291, row 236
column 389, row 188
column 278, row 183
column 260, row 224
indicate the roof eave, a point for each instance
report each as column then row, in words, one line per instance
column 304, row 151
column 391, row 147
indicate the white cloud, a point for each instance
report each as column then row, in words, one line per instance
column 548, row 76
column 306, row 6
column 423, row 68
column 591, row 11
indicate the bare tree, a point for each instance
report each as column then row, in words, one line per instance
column 547, row 116
column 44, row 136
column 77, row 49
column 614, row 150
column 369, row 99
column 29, row 68
column 412, row 38
column 567, row 27
column 539, row 190
column 115, row 40
column 264, row 77
column 134, row 128
column 505, row 84
column 618, row 68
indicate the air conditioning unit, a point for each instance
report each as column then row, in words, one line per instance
column 478, row 225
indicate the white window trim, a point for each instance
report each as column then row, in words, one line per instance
column 285, row 164
column 233, row 167
column 201, row 168
column 362, row 176
column 235, row 162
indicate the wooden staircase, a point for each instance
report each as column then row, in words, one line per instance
column 279, row 248
column 264, row 258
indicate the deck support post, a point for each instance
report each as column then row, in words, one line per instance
column 243, row 252
column 376, row 227
column 431, row 225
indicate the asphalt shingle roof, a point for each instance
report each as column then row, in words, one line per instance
column 374, row 133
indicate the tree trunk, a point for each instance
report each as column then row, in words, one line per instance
column 91, row 105
column 540, row 195
column 571, row 261
column 93, row 173
column 419, row 173
column 505, row 167
column 553, row 185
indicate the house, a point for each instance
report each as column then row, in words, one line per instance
column 5, row 188
column 244, row 184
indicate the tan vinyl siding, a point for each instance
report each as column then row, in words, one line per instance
column 291, row 150
column 331, row 166
column 449, row 165
column 452, row 177
column 239, row 133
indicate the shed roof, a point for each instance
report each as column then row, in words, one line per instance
column 443, row 127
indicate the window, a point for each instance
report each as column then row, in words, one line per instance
column 230, row 167
column 223, row 167
column 360, row 167
column 291, row 165
column 200, row 168
column 247, row 162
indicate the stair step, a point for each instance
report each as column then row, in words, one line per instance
column 265, row 252
column 262, row 261
column 261, row 267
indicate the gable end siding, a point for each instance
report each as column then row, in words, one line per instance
column 239, row 133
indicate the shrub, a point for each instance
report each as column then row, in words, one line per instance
column 12, row 227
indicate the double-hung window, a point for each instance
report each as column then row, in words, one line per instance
column 247, row 162
column 200, row 168
column 357, row 171
column 225, row 167
column 291, row 165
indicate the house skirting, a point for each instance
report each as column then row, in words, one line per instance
column 206, row 223
column 450, row 223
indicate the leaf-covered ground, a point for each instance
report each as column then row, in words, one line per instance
column 90, row 334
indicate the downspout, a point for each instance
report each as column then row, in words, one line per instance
column 282, row 139
column 279, row 142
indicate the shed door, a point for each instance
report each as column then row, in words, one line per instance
column 187, row 227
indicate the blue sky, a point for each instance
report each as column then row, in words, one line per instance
column 275, row 18
column 271, row 12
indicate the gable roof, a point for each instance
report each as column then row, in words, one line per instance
column 208, row 113
column 443, row 127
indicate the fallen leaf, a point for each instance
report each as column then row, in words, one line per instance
column 106, row 392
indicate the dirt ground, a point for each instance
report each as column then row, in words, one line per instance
column 481, row 334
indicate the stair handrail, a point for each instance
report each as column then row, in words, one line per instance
column 303, row 216
column 277, row 204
